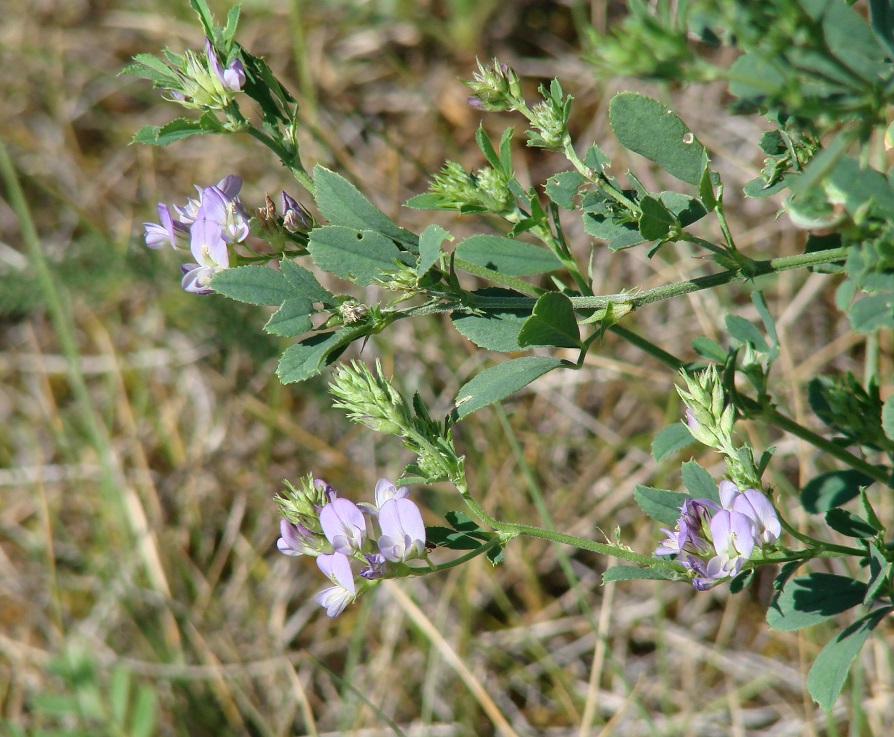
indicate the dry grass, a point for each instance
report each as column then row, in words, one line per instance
column 142, row 438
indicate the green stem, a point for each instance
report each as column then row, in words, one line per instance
column 492, row 543
column 288, row 160
column 595, row 178
column 668, row 291
column 513, row 529
column 878, row 473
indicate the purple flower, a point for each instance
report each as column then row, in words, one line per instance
column 376, row 568
column 733, row 537
column 297, row 539
column 403, row 531
column 344, row 526
column 386, row 490
column 229, row 186
column 692, row 531
column 168, row 233
column 295, row 217
column 218, row 206
column 210, row 252
column 233, row 77
column 754, row 505
column 337, row 568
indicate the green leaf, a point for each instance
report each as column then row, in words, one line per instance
column 255, row 285
column 552, row 323
column 444, row 537
column 487, row 148
column 498, row 382
column 811, row 599
column 495, row 330
column 648, row 128
column 687, row 210
column 428, row 201
column 706, row 190
column 343, row 204
column 757, row 298
column 888, row 418
column 119, row 694
column 496, row 555
column 879, row 571
column 660, row 504
column 56, row 704
column 292, row 318
column 229, row 31
column 177, row 129
column 313, row 354
column 832, row 489
column 655, row 220
column 358, row 255
column 630, row 573
column 758, row 188
column 708, row 348
column 562, row 187
column 619, row 235
column 144, row 713
column 743, row 331
column 305, row 283
column 670, row 440
column 850, row 524
column 152, row 68
column 205, row 16
column 881, row 13
column 829, row 671
column 430, row 247
column 872, row 313
column 740, row 581
column 699, row 483
column 857, row 186
column 507, row 256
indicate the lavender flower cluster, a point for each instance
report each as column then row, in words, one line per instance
column 715, row 541
column 208, row 226
column 212, row 225
column 387, row 538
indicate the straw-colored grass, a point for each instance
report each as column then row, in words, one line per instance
column 143, row 435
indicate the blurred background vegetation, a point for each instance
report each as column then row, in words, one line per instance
column 143, row 434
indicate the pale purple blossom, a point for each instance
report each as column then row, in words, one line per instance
column 233, row 77
column 344, row 526
column 295, row 216
column 210, row 252
column 375, row 568
column 692, row 529
column 715, row 542
column 754, row 505
column 386, row 490
column 217, row 205
column 337, row 568
column 166, row 233
column 229, row 186
column 296, row 539
column 733, row 537
column 403, row 531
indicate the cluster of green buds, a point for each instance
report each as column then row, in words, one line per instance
column 301, row 506
column 710, row 421
column 549, row 119
column 484, row 190
column 495, row 88
column 369, row 399
column 708, row 417
column 206, row 83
